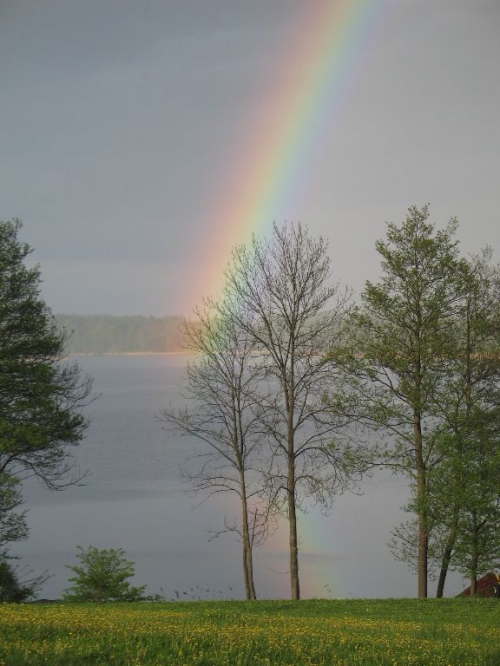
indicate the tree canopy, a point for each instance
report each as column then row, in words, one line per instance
column 103, row 575
column 41, row 395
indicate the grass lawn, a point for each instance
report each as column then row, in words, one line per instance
column 234, row 633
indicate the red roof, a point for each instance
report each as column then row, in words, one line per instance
column 484, row 586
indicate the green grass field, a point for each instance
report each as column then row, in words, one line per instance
column 234, row 633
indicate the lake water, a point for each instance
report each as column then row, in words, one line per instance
column 133, row 499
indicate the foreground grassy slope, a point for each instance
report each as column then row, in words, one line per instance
column 353, row 632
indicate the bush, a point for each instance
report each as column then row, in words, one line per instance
column 14, row 588
column 103, row 576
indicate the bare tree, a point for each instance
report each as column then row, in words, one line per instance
column 278, row 292
column 222, row 413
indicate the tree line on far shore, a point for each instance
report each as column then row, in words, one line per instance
column 107, row 334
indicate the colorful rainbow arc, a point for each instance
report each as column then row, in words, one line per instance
column 330, row 36
column 271, row 163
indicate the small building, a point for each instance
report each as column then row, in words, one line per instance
column 485, row 586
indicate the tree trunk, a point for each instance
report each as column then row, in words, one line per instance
column 292, row 522
column 252, row 594
column 247, row 544
column 473, row 584
column 423, row 546
column 423, row 533
column 294, row 549
column 445, row 561
column 474, row 555
column 292, row 509
column 248, row 572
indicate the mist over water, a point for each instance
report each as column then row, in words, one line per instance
column 133, row 498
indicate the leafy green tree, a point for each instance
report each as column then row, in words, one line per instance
column 477, row 548
column 404, row 340
column 13, row 525
column 11, row 591
column 463, row 487
column 468, row 488
column 41, row 396
column 16, row 585
column 103, row 575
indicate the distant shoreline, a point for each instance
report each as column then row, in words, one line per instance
column 138, row 353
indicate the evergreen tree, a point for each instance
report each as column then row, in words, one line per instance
column 13, row 525
column 16, row 585
column 41, row 396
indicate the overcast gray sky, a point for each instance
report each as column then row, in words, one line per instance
column 120, row 122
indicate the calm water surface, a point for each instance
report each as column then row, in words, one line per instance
column 133, row 499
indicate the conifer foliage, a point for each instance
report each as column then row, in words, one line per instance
column 41, row 396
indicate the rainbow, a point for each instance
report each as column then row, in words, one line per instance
column 321, row 558
column 268, row 168
column 266, row 171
